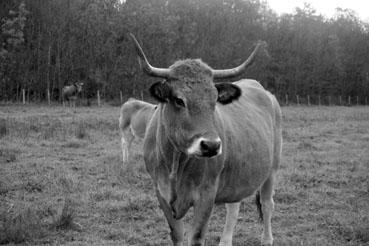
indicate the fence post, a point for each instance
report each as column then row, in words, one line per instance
column 319, row 100
column 48, row 96
column 121, row 97
column 297, row 100
column 98, row 98
column 308, row 100
column 286, row 99
column 349, row 100
column 24, row 96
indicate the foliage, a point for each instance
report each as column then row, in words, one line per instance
column 48, row 44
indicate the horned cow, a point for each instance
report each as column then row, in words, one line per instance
column 210, row 143
column 134, row 117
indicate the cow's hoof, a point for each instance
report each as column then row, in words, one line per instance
column 224, row 244
column 267, row 242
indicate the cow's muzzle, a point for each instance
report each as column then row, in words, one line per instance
column 204, row 147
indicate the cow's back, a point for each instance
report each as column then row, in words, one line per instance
column 137, row 114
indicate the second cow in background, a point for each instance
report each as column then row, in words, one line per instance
column 70, row 93
column 134, row 117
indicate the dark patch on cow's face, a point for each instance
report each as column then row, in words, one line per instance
column 227, row 92
column 161, row 91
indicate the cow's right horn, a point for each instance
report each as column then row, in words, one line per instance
column 150, row 70
column 232, row 72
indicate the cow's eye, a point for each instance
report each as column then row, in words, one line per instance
column 179, row 102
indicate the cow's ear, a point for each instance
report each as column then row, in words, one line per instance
column 161, row 91
column 227, row 92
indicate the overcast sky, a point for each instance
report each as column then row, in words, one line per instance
column 325, row 7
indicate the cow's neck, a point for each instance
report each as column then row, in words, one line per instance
column 170, row 157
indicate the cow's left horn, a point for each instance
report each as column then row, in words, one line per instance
column 232, row 72
column 150, row 70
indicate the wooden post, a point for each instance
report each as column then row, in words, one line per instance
column 357, row 100
column 48, row 96
column 349, row 100
column 340, row 100
column 24, row 96
column 121, row 97
column 308, row 100
column 319, row 100
column 286, row 99
column 98, row 98
column 297, row 100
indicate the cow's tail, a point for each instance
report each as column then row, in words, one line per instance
column 258, row 206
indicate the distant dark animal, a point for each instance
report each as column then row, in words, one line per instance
column 211, row 143
column 70, row 93
column 133, row 120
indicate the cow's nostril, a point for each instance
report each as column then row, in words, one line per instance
column 204, row 145
column 210, row 146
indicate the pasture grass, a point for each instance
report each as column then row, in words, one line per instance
column 62, row 181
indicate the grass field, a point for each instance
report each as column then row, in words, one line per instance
column 62, row 181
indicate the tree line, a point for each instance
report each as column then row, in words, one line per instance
column 46, row 44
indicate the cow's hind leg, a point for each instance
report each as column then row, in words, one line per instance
column 127, row 139
column 267, row 208
column 176, row 226
column 231, row 221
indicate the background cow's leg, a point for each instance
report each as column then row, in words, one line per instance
column 202, row 211
column 267, row 206
column 231, row 221
column 127, row 139
column 124, row 150
column 176, row 226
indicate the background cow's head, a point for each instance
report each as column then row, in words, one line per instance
column 188, row 96
column 78, row 86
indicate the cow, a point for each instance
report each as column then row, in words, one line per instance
column 133, row 119
column 211, row 143
column 70, row 93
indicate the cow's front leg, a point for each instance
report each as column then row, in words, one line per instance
column 176, row 226
column 202, row 211
column 231, row 221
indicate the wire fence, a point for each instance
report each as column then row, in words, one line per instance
column 284, row 100
column 326, row 100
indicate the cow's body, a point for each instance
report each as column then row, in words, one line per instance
column 211, row 143
column 250, row 130
column 133, row 120
column 70, row 93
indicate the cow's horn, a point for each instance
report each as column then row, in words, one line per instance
column 232, row 72
column 150, row 70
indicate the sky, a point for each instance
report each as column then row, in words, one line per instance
column 324, row 7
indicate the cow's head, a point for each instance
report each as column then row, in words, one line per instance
column 78, row 86
column 188, row 96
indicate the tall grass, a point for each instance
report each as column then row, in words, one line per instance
column 20, row 224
